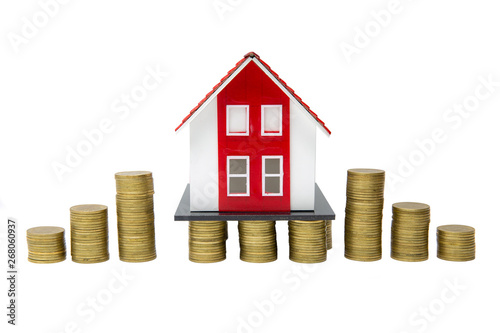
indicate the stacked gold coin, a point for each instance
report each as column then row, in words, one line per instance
column 207, row 241
column 456, row 242
column 307, row 241
column 135, row 212
column 363, row 214
column 89, row 233
column 329, row 244
column 410, row 231
column 46, row 245
column 258, row 241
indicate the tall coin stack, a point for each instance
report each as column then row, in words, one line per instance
column 410, row 231
column 456, row 242
column 307, row 241
column 135, row 212
column 329, row 244
column 89, row 233
column 207, row 241
column 363, row 214
column 46, row 245
column 258, row 241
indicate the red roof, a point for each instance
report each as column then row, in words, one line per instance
column 276, row 76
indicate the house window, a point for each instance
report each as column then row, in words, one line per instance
column 238, row 176
column 271, row 120
column 272, row 175
column 237, row 120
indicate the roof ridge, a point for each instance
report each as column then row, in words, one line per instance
column 251, row 54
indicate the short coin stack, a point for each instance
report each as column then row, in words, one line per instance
column 258, row 241
column 89, row 233
column 135, row 212
column 46, row 245
column 207, row 241
column 329, row 244
column 307, row 241
column 363, row 214
column 410, row 231
column 456, row 242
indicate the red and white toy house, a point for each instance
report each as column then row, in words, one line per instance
column 252, row 149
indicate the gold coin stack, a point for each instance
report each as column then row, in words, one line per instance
column 363, row 214
column 207, row 241
column 307, row 241
column 329, row 244
column 410, row 231
column 456, row 242
column 46, row 245
column 89, row 233
column 135, row 212
column 258, row 241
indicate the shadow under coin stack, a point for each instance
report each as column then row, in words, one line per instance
column 307, row 241
column 456, row 242
column 46, row 245
column 363, row 214
column 410, row 231
column 207, row 241
column 135, row 213
column 89, row 234
column 258, row 241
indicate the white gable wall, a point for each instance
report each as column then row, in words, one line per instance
column 204, row 167
column 302, row 159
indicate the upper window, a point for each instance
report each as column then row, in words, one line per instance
column 271, row 120
column 238, row 175
column 237, row 119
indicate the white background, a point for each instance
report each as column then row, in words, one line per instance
column 65, row 78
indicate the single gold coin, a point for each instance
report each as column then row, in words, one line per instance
column 410, row 206
column 133, row 174
column 365, row 171
column 456, row 228
column 45, row 231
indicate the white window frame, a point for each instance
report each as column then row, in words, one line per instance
column 247, row 175
column 262, row 111
column 247, row 107
column 264, row 158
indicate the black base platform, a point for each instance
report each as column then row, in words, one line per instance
column 322, row 211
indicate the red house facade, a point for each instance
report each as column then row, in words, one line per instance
column 254, row 144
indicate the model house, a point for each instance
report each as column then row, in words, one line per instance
column 252, row 145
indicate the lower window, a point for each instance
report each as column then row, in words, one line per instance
column 238, row 176
column 272, row 175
